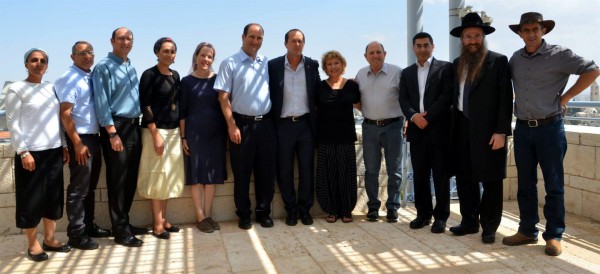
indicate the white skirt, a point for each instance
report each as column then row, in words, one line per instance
column 161, row 177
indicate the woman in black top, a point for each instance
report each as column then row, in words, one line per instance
column 161, row 173
column 336, row 161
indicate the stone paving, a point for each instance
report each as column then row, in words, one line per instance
column 358, row 247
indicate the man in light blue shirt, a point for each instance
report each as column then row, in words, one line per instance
column 243, row 85
column 78, row 116
column 116, row 96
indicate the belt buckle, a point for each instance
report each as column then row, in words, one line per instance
column 295, row 118
column 532, row 123
column 258, row 118
column 380, row 122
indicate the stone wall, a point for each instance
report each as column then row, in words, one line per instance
column 582, row 188
column 582, row 173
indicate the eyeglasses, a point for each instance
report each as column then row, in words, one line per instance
column 84, row 53
column 123, row 39
column 477, row 37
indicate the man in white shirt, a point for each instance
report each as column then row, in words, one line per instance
column 382, row 128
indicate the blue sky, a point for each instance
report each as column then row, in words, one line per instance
column 343, row 25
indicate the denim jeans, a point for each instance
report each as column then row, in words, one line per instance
column 389, row 138
column 546, row 145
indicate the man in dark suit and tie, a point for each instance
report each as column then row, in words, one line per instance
column 425, row 97
column 482, row 117
column 293, row 79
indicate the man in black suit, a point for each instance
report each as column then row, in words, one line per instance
column 425, row 95
column 482, row 117
column 293, row 79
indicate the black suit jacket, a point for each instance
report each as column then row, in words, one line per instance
column 437, row 100
column 490, row 111
column 276, row 82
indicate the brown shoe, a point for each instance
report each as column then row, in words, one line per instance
column 519, row 239
column 205, row 226
column 553, row 247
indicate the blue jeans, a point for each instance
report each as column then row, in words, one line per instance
column 546, row 145
column 389, row 138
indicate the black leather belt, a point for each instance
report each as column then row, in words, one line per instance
column 295, row 118
column 256, row 118
column 133, row 121
column 89, row 135
column 540, row 122
column 382, row 122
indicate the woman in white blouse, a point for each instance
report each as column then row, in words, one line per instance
column 32, row 113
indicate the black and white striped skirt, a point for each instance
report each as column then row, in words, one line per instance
column 336, row 178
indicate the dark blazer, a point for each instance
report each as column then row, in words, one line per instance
column 490, row 111
column 276, row 74
column 437, row 100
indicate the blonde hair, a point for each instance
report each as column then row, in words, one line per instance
column 332, row 54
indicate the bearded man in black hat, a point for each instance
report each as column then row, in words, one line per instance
column 481, row 122
column 540, row 73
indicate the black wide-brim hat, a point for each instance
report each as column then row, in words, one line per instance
column 472, row 20
column 533, row 17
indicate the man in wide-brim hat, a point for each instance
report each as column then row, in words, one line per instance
column 540, row 73
column 481, row 122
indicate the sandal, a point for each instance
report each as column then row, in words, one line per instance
column 331, row 218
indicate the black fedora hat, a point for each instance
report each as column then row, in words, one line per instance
column 469, row 21
column 533, row 17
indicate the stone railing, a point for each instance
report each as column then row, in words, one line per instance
column 582, row 188
column 582, row 173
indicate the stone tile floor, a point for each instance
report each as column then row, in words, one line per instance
column 358, row 247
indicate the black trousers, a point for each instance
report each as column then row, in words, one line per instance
column 475, row 208
column 429, row 158
column 121, row 172
column 256, row 153
column 296, row 142
column 81, row 191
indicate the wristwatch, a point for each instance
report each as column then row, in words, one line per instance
column 112, row 134
column 25, row 154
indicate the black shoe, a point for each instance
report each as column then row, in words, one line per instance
column 265, row 221
column 306, row 218
column 438, row 226
column 420, row 222
column 392, row 216
column 130, row 241
column 461, row 230
column 373, row 215
column 291, row 219
column 165, row 235
column 245, row 223
column 136, row 230
column 95, row 231
column 83, row 243
column 173, row 229
column 62, row 248
column 37, row 257
column 488, row 237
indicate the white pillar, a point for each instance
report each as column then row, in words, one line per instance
column 414, row 25
column 454, row 21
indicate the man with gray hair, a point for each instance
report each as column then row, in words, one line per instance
column 382, row 128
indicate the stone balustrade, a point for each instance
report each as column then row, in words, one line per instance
column 582, row 188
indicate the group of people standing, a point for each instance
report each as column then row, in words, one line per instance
column 460, row 116
column 277, row 112
column 86, row 115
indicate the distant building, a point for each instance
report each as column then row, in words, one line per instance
column 594, row 92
